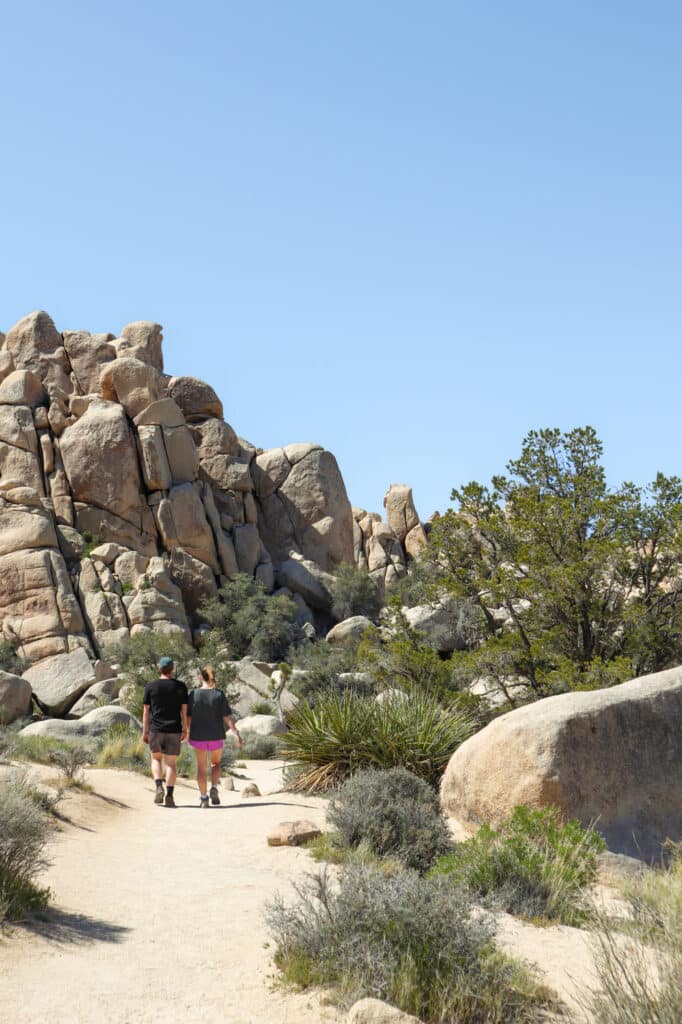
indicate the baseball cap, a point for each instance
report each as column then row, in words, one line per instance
column 165, row 662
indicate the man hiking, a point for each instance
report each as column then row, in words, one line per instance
column 164, row 727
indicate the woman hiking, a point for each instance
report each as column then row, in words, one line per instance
column 207, row 714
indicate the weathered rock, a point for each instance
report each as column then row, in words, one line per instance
column 415, row 541
column 111, row 480
column 250, row 789
column 95, row 695
column 142, row 340
column 132, row 383
column 319, row 509
column 441, row 624
column 247, row 547
column 293, row 833
column 93, row 724
column 164, row 413
column 262, row 725
column 111, row 528
column 22, row 387
column 197, row 399
column 71, row 543
column 307, row 579
column 155, row 469
column 610, row 756
column 374, row 1011
column 400, row 511
column 617, row 869
column 35, row 344
column 24, row 528
column 87, row 354
column 194, row 578
column 15, row 697
column 215, row 437
column 348, row 630
column 183, row 457
column 182, row 521
column 59, row 681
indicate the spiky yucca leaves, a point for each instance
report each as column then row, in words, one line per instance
column 342, row 732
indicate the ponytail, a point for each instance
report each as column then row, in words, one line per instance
column 208, row 675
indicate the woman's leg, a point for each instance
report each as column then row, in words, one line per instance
column 215, row 766
column 201, row 756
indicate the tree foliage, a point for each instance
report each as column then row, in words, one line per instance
column 354, row 592
column 245, row 619
column 578, row 584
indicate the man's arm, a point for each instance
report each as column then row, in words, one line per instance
column 185, row 723
column 145, row 723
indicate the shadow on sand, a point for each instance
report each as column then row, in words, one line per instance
column 70, row 929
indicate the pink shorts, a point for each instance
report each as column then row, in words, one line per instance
column 206, row 744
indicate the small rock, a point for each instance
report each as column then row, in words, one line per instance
column 293, row 833
column 374, row 1011
column 250, row 789
column 228, row 783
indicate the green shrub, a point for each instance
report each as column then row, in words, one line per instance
column 255, row 747
column 245, row 619
column 354, row 592
column 138, row 658
column 640, row 977
column 411, row 941
column 262, row 707
column 24, row 833
column 343, row 733
column 71, row 763
column 535, row 865
column 122, row 747
column 322, row 667
column 38, row 749
column 10, row 661
column 395, row 813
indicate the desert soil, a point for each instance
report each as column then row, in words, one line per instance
column 157, row 914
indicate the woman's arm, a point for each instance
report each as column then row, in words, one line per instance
column 231, row 725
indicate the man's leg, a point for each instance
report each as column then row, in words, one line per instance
column 215, row 775
column 157, row 775
column 171, row 773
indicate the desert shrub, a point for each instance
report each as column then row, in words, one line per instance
column 122, row 747
column 24, row 833
column 408, row 940
column 10, row 661
column 395, row 813
column 71, row 761
column 340, row 734
column 39, row 749
column 640, row 978
column 138, row 658
column 262, row 707
column 327, row 667
column 535, row 865
column 245, row 619
column 354, row 592
column 260, row 748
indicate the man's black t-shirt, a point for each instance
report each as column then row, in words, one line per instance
column 207, row 709
column 165, row 697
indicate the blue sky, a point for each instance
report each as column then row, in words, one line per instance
column 409, row 232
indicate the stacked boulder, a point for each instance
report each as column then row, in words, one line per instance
column 385, row 548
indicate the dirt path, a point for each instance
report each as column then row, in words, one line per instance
column 157, row 914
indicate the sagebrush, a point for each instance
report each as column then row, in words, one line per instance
column 24, row 834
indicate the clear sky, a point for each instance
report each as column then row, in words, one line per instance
column 408, row 231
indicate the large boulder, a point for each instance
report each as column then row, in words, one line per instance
column 96, row 723
column 95, row 696
column 196, row 399
column 87, row 354
column 22, row 387
column 100, row 460
column 440, row 623
column 15, row 697
column 348, row 630
column 613, row 757
column 132, row 383
column 306, row 578
column 400, row 511
column 261, row 725
column 59, row 681
column 142, row 340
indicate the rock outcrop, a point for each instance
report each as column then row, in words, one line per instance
column 612, row 756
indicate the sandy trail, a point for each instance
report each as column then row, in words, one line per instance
column 157, row 913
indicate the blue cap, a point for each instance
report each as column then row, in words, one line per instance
column 165, row 662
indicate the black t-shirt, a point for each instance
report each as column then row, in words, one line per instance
column 165, row 697
column 207, row 709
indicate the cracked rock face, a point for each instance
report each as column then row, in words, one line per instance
column 126, row 499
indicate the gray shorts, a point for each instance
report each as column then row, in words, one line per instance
column 165, row 743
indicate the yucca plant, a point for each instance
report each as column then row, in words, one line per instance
column 343, row 732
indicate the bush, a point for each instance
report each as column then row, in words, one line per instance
column 408, row 940
column 122, row 747
column 245, row 619
column 354, row 592
column 262, row 707
column 341, row 734
column 322, row 666
column 535, row 865
column 640, row 979
column 39, row 749
column 394, row 813
column 139, row 658
column 10, row 661
column 24, row 833
column 71, row 762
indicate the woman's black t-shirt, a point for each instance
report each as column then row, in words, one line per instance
column 207, row 709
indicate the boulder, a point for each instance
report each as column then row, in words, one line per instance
column 95, row 695
column 374, row 1011
column 182, row 521
column 164, row 413
column 349, row 630
column 59, row 681
column 183, row 457
column 262, row 725
column 196, row 399
column 71, row 543
column 92, row 725
column 250, row 789
column 306, row 578
column 415, row 541
column 247, row 547
column 35, row 344
column 142, row 340
column 87, row 354
column 400, row 511
column 194, row 578
column 215, row 437
column 132, row 383
column 153, row 459
column 110, row 481
column 15, row 697
column 293, row 833
column 22, row 387
column 612, row 756
column 317, row 504
column 441, row 624
column 111, row 528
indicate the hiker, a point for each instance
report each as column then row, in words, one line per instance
column 208, row 713
column 164, row 727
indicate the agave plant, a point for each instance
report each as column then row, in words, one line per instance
column 343, row 732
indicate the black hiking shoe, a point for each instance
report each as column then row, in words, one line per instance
column 169, row 801
column 203, row 802
column 215, row 798
column 158, row 796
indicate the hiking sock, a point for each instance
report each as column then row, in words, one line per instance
column 159, row 783
column 169, row 790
